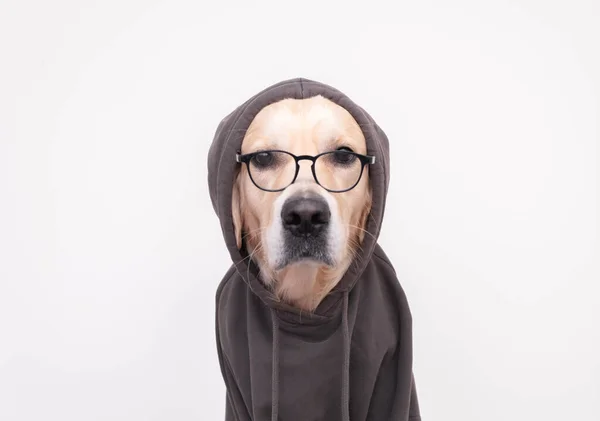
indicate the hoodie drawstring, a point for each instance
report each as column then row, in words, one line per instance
column 345, row 364
column 275, row 368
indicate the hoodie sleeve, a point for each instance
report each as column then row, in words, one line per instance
column 235, row 407
column 229, row 414
column 414, row 413
column 392, row 400
column 233, row 399
column 394, row 396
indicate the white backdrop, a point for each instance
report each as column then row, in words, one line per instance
column 110, row 253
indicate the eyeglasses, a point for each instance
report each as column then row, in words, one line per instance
column 336, row 171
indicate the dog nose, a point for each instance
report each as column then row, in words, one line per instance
column 305, row 216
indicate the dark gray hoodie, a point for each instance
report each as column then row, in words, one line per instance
column 349, row 360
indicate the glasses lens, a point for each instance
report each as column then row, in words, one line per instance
column 272, row 170
column 338, row 170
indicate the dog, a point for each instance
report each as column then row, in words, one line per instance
column 311, row 321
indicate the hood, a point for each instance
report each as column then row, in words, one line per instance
column 222, row 169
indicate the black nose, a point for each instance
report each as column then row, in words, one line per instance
column 305, row 216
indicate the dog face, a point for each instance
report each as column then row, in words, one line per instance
column 303, row 230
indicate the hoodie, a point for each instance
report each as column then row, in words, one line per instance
column 351, row 359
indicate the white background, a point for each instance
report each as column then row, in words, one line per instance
column 110, row 253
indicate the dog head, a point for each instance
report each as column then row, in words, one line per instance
column 301, row 197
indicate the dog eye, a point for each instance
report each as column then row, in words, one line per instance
column 344, row 155
column 263, row 159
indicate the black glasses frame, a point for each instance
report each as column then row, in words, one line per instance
column 364, row 160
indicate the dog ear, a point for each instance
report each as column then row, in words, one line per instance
column 236, row 212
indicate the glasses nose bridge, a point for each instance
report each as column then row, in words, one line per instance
column 308, row 173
